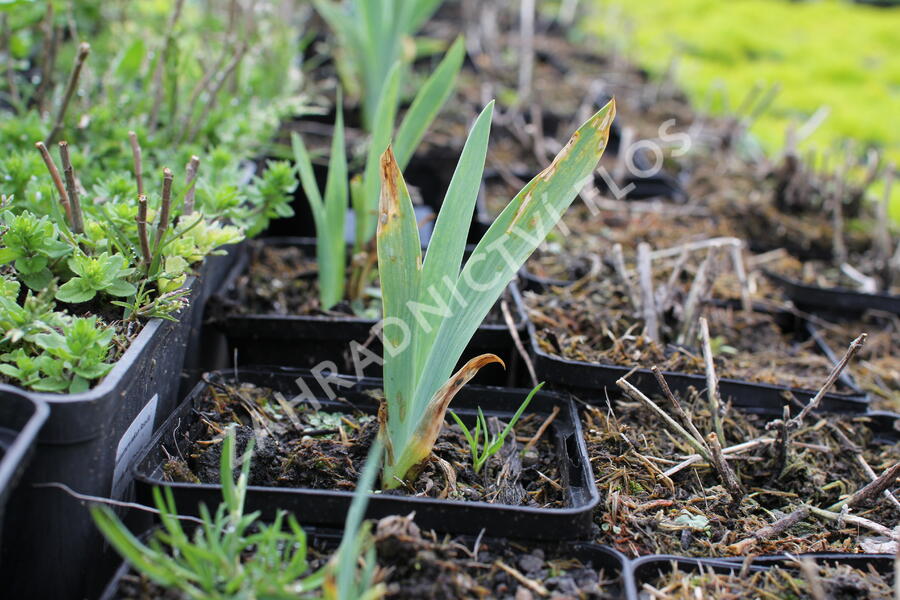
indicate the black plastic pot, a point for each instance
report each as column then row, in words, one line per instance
column 306, row 341
column 836, row 299
column 327, row 508
column 89, row 442
column 645, row 569
column 610, row 561
column 21, row 418
column 206, row 347
column 591, row 379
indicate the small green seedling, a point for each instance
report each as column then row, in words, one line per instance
column 480, row 455
column 233, row 555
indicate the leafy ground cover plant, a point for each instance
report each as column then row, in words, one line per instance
column 231, row 554
column 423, row 347
column 97, row 230
column 329, row 209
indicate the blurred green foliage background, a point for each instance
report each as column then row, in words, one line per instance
column 832, row 53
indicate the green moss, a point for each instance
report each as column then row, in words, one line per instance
column 827, row 53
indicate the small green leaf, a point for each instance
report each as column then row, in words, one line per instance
column 120, row 287
column 74, row 291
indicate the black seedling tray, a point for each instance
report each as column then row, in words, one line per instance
column 612, row 562
column 306, row 341
column 592, row 378
column 327, row 508
column 645, row 569
column 836, row 299
column 89, row 443
column 206, row 347
column 21, row 418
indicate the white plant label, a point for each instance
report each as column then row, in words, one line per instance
column 132, row 441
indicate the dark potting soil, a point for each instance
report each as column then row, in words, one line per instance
column 414, row 565
column 835, row 580
column 282, row 280
column 596, row 322
column 650, row 507
column 300, row 446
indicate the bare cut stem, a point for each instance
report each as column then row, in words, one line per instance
column 883, row 244
column 736, row 449
column 193, row 167
column 676, row 405
column 849, row 446
column 716, row 242
column 214, row 94
column 648, row 299
column 723, row 469
column 141, row 220
column 517, row 340
column 694, row 294
column 871, row 490
column 618, row 259
column 138, row 163
column 48, row 58
column 737, row 261
column 636, row 394
column 712, row 380
column 202, row 86
column 83, row 51
column 770, row 531
column 526, row 49
column 71, row 188
column 854, row 347
column 165, row 206
column 10, row 71
column 673, row 279
column 784, row 443
column 857, row 521
column 161, row 63
column 837, row 216
column 57, row 181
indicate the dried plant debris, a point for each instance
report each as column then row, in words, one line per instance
column 300, row 445
column 877, row 368
column 601, row 320
column 663, row 495
column 814, row 582
column 418, row 565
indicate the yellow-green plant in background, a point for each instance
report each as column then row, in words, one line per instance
column 831, row 53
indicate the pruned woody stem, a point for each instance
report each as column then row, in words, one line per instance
column 432, row 308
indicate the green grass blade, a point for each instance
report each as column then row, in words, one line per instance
column 509, row 241
column 304, row 167
column 351, row 542
column 381, row 138
column 421, row 11
column 428, row 102
column 512, row 422
column 399, row 267
column 448, row 244
column 330, row 247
